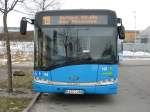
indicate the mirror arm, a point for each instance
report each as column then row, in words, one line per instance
column 31, row 21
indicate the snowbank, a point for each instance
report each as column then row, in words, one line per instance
column 136, row 54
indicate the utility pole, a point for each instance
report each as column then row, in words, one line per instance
column 134, row 12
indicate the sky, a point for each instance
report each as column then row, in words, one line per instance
column 134, row 13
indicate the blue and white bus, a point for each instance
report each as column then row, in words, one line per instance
column 75, row 51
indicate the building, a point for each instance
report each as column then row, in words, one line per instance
column 144, row 36
column 11, row 29
column 130, row 36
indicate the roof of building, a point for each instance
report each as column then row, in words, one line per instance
column 146, row 31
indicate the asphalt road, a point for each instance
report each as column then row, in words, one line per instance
column 133, row 96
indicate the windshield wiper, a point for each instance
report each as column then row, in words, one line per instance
column 84, row 56
column 105, row 61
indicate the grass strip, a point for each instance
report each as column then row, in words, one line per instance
column 19, row 81
column 13, row 104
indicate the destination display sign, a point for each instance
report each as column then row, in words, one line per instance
column 75, row 20
column 46, row 20
column 78, row 19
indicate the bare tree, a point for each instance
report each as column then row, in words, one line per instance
column 7, row 6
column 33, row 6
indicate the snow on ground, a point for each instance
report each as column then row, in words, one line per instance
column 129, row 55
column 21, row 52
column 26, row 47
column 136, row 54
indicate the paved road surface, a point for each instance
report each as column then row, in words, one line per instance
column 133, row 96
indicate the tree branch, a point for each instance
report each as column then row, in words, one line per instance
column 1, row 10
column 22, row 12
column 35, row 1
column 53, row 3
column 1, row 2
column 39, row 5
column 14, row 3
column 29, row 9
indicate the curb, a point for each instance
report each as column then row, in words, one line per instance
column 36, row 97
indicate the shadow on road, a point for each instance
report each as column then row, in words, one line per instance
column 135, row 63
column 80, row 99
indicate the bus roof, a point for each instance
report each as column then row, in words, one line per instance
column 77, row 12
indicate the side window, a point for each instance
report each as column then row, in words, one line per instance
column 47, row 50
column 40, row 47
column 36, row 48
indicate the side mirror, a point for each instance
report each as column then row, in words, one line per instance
column 121, row 32
column 23, row 26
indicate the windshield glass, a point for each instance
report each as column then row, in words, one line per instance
column 74, row 45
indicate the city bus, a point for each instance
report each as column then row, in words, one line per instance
column 120, row 50
column 75, row 51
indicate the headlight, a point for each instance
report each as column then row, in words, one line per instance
column 107, row 82
column 44, row 81
column 99, row 83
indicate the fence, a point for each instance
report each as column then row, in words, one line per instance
column 20, row 51
column 17, row 47
column 135, row 47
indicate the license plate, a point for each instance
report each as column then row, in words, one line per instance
column 74, row 92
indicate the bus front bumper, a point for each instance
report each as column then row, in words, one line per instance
column 103, row 89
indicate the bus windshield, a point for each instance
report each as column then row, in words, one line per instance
column 56, row 46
